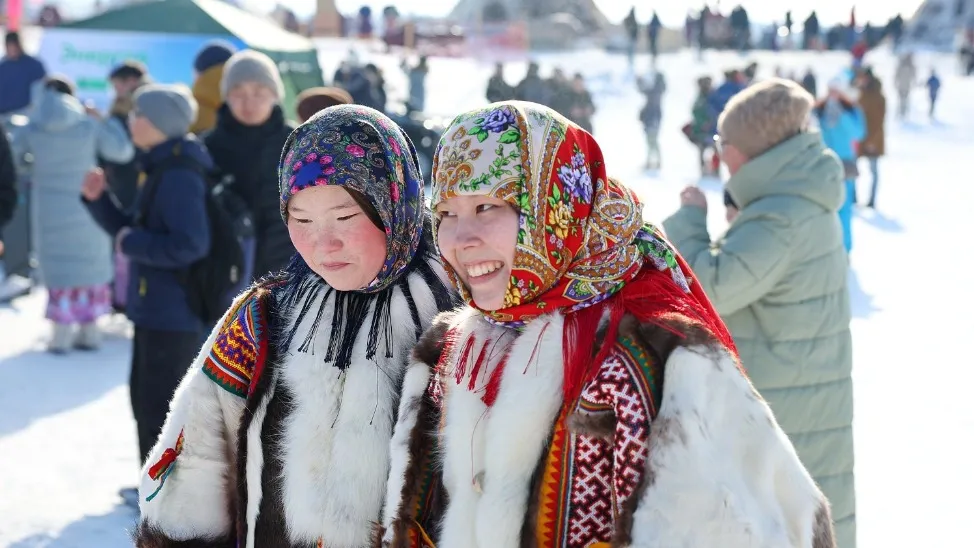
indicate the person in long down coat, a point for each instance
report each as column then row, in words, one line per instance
column 779, row 278
column 74, row 253
column 246, row 145
column 588, row 394
column 278, row 435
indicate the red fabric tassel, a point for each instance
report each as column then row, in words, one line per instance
column 461, row 369
column 534, row 351
column 477, row 366
column 494, row 383
column 651, row 297
column 167, row 459
column 578, row 348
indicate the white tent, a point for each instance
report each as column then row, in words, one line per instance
column 938, row 24
column 585, row 11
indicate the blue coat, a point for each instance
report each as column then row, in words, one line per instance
column 17, row 78
column 719, row 97
column 72, row 251
column 842, row 134
column 174, row 235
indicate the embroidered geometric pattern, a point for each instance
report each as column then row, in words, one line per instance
column 552, row 495
column 586, row 479
column 239, row 349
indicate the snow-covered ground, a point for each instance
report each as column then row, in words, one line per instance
column 67, row 440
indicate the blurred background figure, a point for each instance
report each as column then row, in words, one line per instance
column 208, row 68
column 20, row 73
column 313, row 100
column 65, row 140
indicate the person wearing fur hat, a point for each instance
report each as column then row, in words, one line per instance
column 165, row 233
column 778, row 278
column 246, row 145
column 279, row 434
column 588, row 395
column 843, row 127
column 208, row 68
column 313, row 100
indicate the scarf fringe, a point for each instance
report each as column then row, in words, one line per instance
column 303, row 287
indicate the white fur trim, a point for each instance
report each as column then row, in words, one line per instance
column 255, row 465
column 193, row 503
column 413, row 389
column 336, row 457
column 505, row 444
column 722, row 470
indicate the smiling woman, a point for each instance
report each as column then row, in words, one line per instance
column 477, row 237
column 589, row 395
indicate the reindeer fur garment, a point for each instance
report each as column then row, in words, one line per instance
column 303, row 459
column 718, row 471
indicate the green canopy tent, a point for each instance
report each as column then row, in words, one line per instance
column 166, row 35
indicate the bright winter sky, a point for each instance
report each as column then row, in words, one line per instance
column 671, row 12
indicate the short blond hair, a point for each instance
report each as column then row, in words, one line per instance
column 764, row 115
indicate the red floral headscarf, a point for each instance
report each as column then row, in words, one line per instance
column 581, row 237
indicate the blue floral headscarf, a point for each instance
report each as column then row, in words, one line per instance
column 360, row 148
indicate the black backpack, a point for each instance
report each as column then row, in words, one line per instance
column 211, row 281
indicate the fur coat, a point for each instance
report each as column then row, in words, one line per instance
column 268, row 443
column 668, row 446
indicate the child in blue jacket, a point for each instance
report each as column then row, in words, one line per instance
column 168, row 232
column 843, row 126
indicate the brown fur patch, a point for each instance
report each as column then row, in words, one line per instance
column 823, row 533
column 598, row 425
column 529, row 528
column 430, row 344
column 420, row 451
column 667, row 431
column 377, row 532
column 622, row 536
column 673, row 331
column 148, row 536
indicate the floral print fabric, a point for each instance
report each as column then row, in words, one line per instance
column 361, row 149
column 581, row 236
column 78, row 304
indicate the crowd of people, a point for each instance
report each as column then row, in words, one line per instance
column 568, row 97
column 369, row 359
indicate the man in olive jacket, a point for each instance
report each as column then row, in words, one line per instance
column 778, row 277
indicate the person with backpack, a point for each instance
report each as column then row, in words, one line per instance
column 246, row 145
column 165, row 235
column 279, row 435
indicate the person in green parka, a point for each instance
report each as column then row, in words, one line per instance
column 778, row 277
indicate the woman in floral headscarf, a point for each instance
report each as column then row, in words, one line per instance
column 279, row 434
column 589, row 394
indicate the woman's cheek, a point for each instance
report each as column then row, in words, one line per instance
column 368, row 242
column 301, row 238
column 446, row 240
